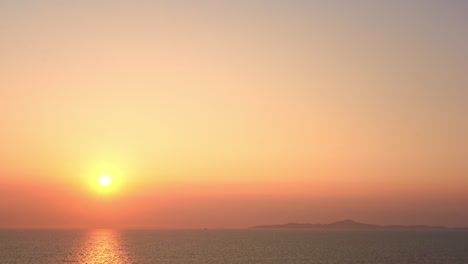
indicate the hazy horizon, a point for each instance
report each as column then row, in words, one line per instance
column 260, row 226
column 229, row 114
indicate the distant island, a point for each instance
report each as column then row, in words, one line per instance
column 350, row 224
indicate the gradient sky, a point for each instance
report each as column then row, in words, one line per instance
column 231, row 113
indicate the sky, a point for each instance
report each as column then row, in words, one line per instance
column 229, row 114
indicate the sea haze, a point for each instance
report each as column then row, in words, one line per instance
column 234, row 246
column 350, row 224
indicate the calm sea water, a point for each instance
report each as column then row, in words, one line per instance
column 234, row 246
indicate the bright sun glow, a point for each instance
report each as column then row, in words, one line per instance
column 105, row 180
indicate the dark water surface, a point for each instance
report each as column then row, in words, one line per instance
column 233, row 246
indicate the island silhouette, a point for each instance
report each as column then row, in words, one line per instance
column 351, row 224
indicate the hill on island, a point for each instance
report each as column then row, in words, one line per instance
column 349, row 224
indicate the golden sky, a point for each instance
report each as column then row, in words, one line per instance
column 232, row 113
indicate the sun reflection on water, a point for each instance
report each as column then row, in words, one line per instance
column 104, row 246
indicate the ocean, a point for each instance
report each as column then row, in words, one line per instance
column 233, row 246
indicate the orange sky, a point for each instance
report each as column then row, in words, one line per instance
column 232, row 114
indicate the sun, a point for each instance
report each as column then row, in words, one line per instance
column 105, row 180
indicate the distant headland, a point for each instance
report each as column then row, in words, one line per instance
column 350, row 224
